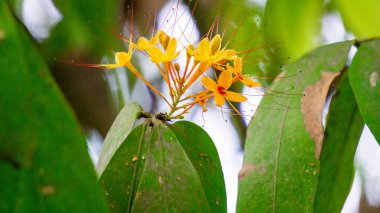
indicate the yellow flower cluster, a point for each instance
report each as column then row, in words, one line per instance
column 162, row 51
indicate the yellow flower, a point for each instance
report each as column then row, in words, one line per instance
column 157, row 56
column 210, row 51
column 144, row 43
column 237, row 70
column 220, row 89
column 121, row 59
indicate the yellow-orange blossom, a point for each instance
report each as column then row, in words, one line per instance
column 162, row 51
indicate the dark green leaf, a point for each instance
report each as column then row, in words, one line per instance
column 343, row 130
column 44, row 162
column 364, row 76
column 204, row 156
column 169, row 181
column 280, row 170
column 119, row 131
column 121, row 177
column 150, row 172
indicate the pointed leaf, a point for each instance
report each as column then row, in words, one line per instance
column 150, row 172
column 44, row 162
column 280, row 170
column 204, row 156
column 343, row 130
column 117, row 134
column 364, row 74
column 169, row 182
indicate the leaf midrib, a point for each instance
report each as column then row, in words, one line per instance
column 163, row 163
column 134, row 181
column 279, row 147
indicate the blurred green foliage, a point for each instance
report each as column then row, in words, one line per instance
column 295, row 24
column 360, row 17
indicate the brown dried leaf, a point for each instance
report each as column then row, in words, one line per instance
column 312, row 106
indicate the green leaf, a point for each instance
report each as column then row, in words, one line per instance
column 360, row 17
column 117, row 134
column 294, row 23
column 342, row 134
column 204, row 156
column 44, row 162
column 364, row 74
column 123, row 172
column 169, row 181
column 150, row 172
column 280, row 170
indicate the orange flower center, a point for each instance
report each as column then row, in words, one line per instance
column 221, row 90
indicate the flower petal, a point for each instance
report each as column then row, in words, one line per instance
column 249, row 82
column 219, row 99
column 203, row 49
column 238, row 64
column 209, row 84
column 225, row 79
column 172, row 46
column 230, row 54
column 235, row 97
column 215, row 44
column 122, row 58
column 155, row 53
column 231, row 69
column 164, row 39
column 218, row 56
column 142, row 44
column 190, row 50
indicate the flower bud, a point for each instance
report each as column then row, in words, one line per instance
column 215, row 44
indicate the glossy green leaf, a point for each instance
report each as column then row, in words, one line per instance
column 295, row 24
column 44, row 162
column 150, row 172
column 343, row 130
column 123, row 172
column 360, row 17
column 117, row 134
column 204, row 156
column 279, row 173
column 169, row 181
column 364, row 74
